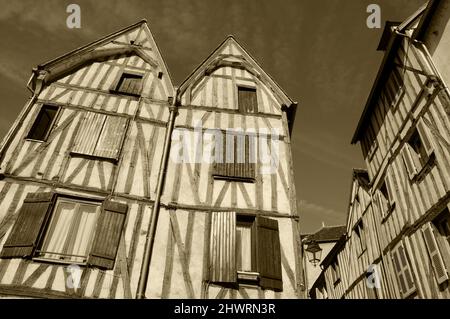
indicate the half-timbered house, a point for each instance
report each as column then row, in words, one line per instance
column 403, row 228
column 115, row 184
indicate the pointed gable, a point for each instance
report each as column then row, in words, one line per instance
column 214, row 82
column 134, row 42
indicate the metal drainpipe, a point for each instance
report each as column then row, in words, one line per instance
column 143, row 278
column 428, row 59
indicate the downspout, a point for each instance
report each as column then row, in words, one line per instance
column 150, row 240
column 4, row 144
column 428, row 60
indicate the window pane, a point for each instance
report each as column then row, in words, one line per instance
column 85, row 230
column 244, row 247
column 247, row 100
column 43, row 123
column 70, row 232
column 59, row 229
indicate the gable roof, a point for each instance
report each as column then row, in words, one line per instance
column 391, row 46
column 231, row 53
column 135, row 38
column 327, row 234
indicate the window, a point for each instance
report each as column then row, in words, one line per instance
column 385, row 196
column 66, row 230
column 418, row 151
column 403, row 271
column 245, row 241
column 70, row 231
column 43, row 124
column 235, row 157
column 129, row 83
column 335, row 272
column 437, row 239
column 360, row 238
column 247, row 100
column 100, row 136
column 245, row 250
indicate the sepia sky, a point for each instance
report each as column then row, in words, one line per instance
column 320, row 52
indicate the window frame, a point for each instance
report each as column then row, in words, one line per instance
column 50, row 127
column 115, row 86
column 37, row 256
column 417, row 164
column 247, row 86
column 248, row 277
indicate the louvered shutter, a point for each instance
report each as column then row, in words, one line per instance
column 269, row 254
column 404, row 275
column 89, row 133
column 425, row 137
column 27, row 229
column 437, row 261
column 222, row 265
column 408, row 158
column 111, row 137
column 107, row 235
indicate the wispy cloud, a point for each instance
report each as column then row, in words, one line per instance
column 318, row 209
column 13, row 73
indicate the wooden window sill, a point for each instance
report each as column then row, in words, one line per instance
column 235, row 178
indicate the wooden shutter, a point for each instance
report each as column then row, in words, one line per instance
column 241, row 167
column 382, row 202
column 425, row 137
column 269, row 254
column 408, row 158
column 88, row 133
column 404, row 275
column 247, row 100
column 222, row 265
column 27, row 229
column 107, row 235
column 437, row 261
column 130, row 84
column 111, row 137
column 390, row 188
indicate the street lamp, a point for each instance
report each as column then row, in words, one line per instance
column 314, row 252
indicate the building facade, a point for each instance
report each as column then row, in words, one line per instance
column 402, row 220
column 116, row 184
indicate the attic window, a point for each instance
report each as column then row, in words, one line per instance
column 129, row 84
column 43, row 123
column 247, row 100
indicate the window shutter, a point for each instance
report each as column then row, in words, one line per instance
column 26, row 231
column 89, row 133
column 409, row 161
column 223, row 247
column 437, row 261
column 390, row 188
column 269, row 254
column 404, row 275
column 107, row 235
column 425, row 137
column 111, row 137
column 382, row 202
